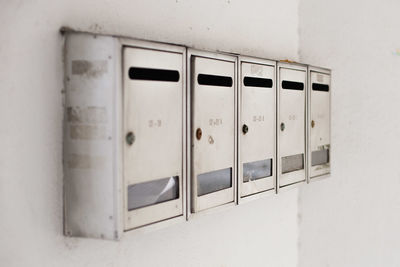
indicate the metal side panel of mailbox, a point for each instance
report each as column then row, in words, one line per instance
column 257, row 127
column 92, row 200
column 212, row 129
column 319, row 123
column 291, row 124
column 105, row 101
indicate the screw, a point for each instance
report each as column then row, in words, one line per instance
column 130, row 138
column 245, row 129
column 282, row 126
column 199, row 133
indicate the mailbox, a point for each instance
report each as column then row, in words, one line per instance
column 153, row 124
column 319, row 92
column 212, row 129
column 124, row 139
column 257, row 126
column 291, row 124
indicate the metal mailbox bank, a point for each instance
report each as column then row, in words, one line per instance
column 156, row 133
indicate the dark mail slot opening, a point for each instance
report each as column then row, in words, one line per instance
column 292, row 85
column 319, row 157
column 136, row 73
column 320, row 87
column 257, row 82
column 153, row 192
column 292, row 163
column 257, row 170
column 214, row 80
column 214, row 181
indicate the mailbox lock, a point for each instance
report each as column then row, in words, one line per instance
column 282, row 126
column 199, row 133
column 312, row 124
column 245, row 129
column 130, row 138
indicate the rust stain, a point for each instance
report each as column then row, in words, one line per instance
column 287, row 61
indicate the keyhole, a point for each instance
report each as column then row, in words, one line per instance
column 282, row 126
column 130, row 138
column 245, row 129
column 199, row 133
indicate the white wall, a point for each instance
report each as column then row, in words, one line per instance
column 261, row 233
column 353, row 218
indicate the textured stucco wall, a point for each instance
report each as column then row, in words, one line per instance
column 352, row 219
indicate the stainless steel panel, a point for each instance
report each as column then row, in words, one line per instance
column 256, row 170
column 210, row 182
column 153, row 192
column 292, row 163
column 320, row 157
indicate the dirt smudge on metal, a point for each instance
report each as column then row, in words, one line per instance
column 87, row 115
column 77, row 161
column 88, row 132
column 90, row 69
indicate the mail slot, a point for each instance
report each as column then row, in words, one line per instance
column 291, row 127
column 257, row 126
column 153, row 125
column 125, row 135
column 319, row 92
column 212, row 118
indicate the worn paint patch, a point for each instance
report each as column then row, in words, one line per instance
column 87, row 114
column 88, row 132
column 256, row 69
column 320, row 78
column 93, row 68
column 77, row 161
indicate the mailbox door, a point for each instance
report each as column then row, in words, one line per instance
column 319, row 123
column 257, row 128
column 153, row 141
column 212, row 132
column 291, row 125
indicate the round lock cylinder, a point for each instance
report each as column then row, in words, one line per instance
column 199, row 133
column 245, row 129
column 130, row 138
